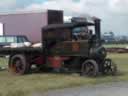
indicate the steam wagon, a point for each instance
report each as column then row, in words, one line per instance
column 71, row 47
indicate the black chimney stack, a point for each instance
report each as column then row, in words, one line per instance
column 97, row 28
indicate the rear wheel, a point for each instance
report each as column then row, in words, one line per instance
column 90, row 68
column 19, row 65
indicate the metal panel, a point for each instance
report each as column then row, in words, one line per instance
column 71, row 48
column 25, row 24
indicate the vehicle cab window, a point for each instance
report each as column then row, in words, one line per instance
column 11, row 39
column 80, row 33
column 2, row 40
column 19, row 40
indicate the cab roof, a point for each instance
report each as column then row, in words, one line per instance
column 66, row 25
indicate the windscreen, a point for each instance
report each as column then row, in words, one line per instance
column 82, row 33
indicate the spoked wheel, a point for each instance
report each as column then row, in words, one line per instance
column 90, row 68
column 18, row 65
column 109, row 67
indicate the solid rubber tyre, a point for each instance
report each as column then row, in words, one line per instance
column 18, row 64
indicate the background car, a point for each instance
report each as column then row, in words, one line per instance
column 14, row 41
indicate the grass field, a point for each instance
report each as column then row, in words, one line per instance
column 41, row 82
column 116, row 45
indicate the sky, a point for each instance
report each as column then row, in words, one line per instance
column 113, row 13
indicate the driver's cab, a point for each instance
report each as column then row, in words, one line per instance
column 67, row 39
column 72, row 39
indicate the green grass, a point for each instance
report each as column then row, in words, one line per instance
column 26, row 85
column 3, row 62
column 116, row 45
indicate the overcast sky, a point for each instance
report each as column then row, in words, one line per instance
column 114, row 13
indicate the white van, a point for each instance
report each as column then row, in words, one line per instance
column 14, row 41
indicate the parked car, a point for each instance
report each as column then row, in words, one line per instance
column 14, row 41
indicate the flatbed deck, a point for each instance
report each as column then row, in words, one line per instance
column 9, row 51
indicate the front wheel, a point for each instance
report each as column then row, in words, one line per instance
column 109, row 67
column 90, row 68
column 18, row 65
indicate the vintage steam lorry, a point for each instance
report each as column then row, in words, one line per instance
column 71, row 47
